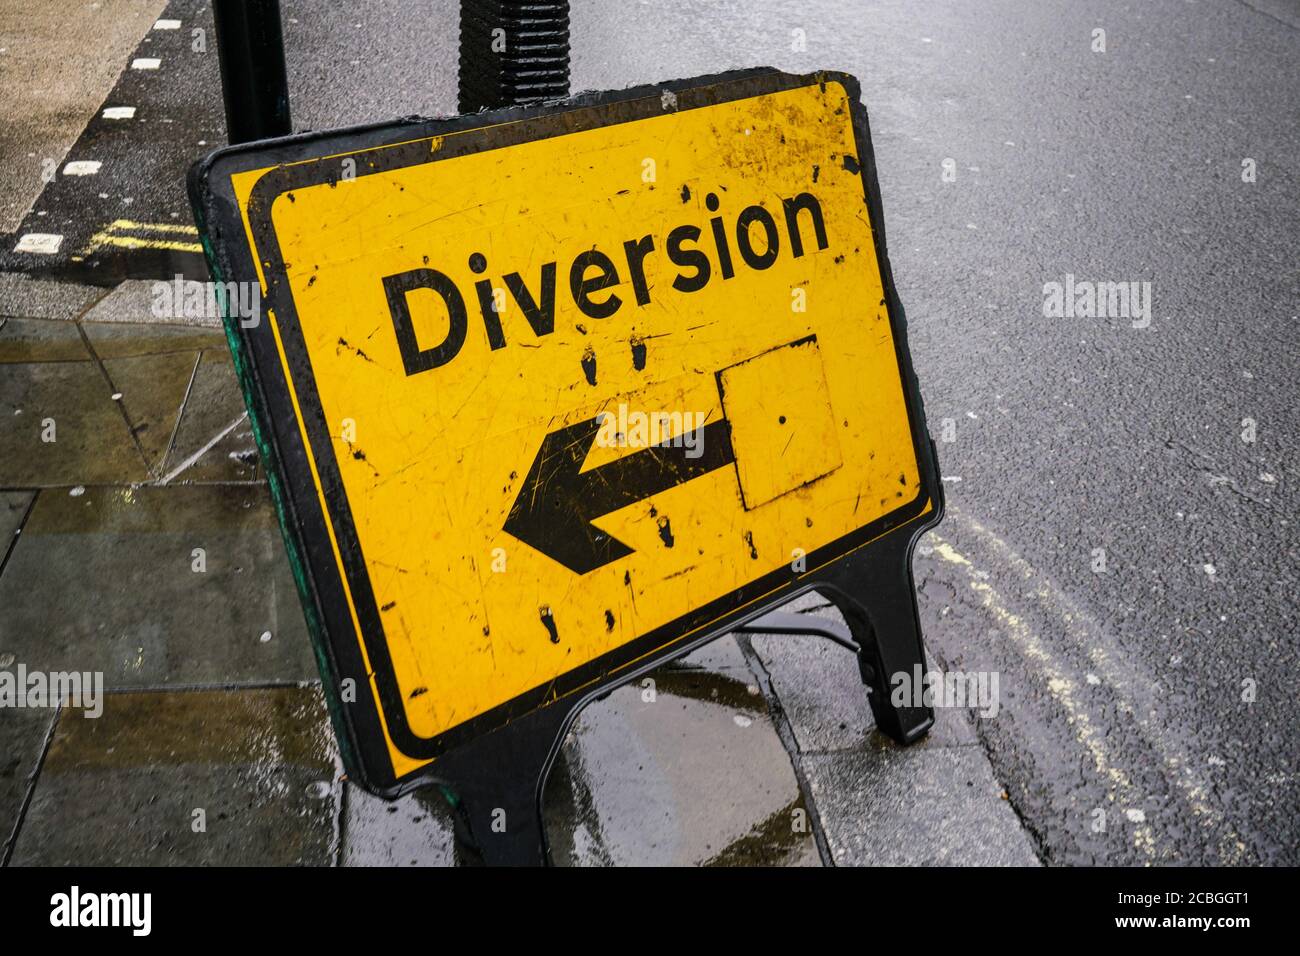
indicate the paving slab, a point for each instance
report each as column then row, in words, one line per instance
column 125, row 339
column 134, row 301
column 214, row 404
column 187, row 778
column 723, row 655
column 41, row 340
column 936, row 806
column 695, row 775
column 153, row 390
column 91, row 441
column 826, row 702
column 23, row 733
column 413, row 831
column 24, row 297
column 107, row 581
column 806, row 602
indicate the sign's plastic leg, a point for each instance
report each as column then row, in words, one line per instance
column 874, row 591
column 495, row 790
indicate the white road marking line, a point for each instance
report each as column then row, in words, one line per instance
column 119, row 112
column 42, row 243
column 146, row 63
column 1130, row 684
column 1036, row 654
column 167, row 25
column 82, row 167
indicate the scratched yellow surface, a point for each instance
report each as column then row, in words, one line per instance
column 438, row 458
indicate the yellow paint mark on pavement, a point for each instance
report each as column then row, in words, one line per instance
column 128, row 234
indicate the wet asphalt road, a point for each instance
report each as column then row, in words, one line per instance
column 1148, row 709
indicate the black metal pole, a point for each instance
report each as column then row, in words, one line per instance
column 513, row 52
column 250, row 46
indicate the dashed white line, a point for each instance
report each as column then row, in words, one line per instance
column 41, row 243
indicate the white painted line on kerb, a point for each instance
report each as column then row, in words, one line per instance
column 119, row 112
column 167, row 25
column 145, row 63
column 82, row 167
column 42, row 243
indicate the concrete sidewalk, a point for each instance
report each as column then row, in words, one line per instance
column 137, row 538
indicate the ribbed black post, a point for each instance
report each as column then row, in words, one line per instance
column 513, row 52
column 250, row 47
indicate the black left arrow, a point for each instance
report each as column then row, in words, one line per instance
column 558, row 501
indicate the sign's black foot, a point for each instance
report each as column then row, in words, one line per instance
column 873, row 590
column 495, row 791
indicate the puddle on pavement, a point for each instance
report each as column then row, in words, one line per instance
column 155, row 587
column 696, row 776
column 59, row 425
column 40, row 340
column 687, row 771
column 189, row 777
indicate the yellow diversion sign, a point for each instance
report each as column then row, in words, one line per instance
column 549, row 395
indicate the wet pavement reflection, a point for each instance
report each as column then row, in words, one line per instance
column 187, row 778
column 155, row 587
column 138, row 539
column 685, row 768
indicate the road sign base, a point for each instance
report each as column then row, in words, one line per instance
column 874, row 591
column 783, row 622
column 495, row 790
